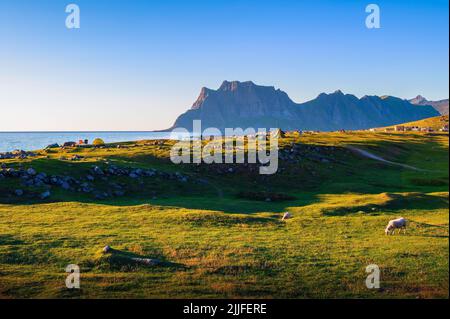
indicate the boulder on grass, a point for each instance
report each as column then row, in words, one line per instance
column 45, row 195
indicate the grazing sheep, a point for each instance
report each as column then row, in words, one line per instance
column 287, row 215
column 394, row 224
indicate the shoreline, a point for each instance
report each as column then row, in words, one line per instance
column 32, row 141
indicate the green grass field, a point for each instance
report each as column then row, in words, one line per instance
column 216, row 243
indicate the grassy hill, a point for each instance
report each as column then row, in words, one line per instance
column 436, row 123
column 217, row 229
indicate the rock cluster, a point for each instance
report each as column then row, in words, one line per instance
column 17, row 154
column 228, row 169
column 31, row 178
column 134, row 173
column 298, row 152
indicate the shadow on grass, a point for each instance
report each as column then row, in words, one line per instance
column 395, row 202
column 6, row 239
column 342, row 172
column 121, row 260
column 428, row 230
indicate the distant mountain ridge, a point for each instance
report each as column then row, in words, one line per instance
column 441, row 106
column 245, row 104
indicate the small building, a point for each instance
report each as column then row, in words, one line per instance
column 399, row 128
column 69, row 144
column 83, row 142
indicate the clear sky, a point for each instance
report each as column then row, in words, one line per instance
column 136, row 65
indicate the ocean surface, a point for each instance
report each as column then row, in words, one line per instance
column 30, row 141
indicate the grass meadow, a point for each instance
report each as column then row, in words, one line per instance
column 214, row 243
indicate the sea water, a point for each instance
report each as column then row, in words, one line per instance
column 29, row 141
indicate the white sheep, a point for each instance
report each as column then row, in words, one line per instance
column 286, row 215
column 399, row 223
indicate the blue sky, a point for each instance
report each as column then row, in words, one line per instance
column 136, row 65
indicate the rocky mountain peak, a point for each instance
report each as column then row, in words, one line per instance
column 419, row 99
column 204, row 92
column 235, row 85
column 245, row 104
column 441, row 106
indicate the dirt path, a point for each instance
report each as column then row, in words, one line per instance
column 380, row 159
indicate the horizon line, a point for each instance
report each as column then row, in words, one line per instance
column 84, row 131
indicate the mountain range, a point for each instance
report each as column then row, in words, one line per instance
column 245, row 104
column 441, row 106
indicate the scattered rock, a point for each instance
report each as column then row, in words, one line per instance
column 98, row 171
column 17, row 154
column 286, row 215
column 18, row 192
column 76, row 158
column 45, row 195
column 41, row 176
column 101, row 196
column 29, row 177
column 65, row 186
column 119, row 193
column 86, row 188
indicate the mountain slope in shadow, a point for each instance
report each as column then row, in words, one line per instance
column 245, row 104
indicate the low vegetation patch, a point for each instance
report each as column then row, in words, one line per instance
column 265, row 196
column 429, row 182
